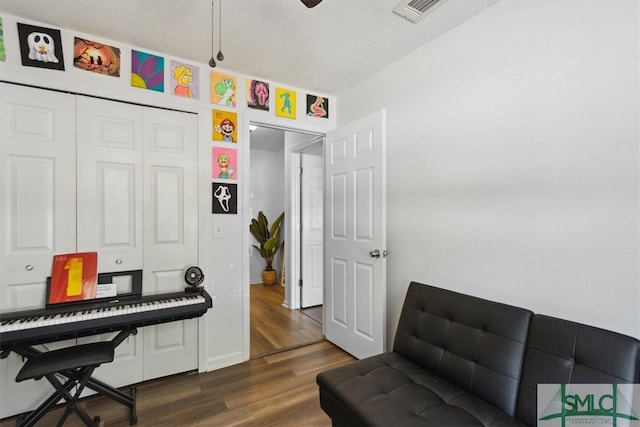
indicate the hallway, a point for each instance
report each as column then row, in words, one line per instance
column 275, row 328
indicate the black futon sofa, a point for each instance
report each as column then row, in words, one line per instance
column 459, row 360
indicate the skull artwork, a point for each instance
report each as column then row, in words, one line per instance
column 41, row 47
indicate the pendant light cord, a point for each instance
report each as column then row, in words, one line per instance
column 212, row 61
column 220, row 55
column 212, row 28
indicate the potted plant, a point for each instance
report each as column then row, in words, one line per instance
column 269, row 240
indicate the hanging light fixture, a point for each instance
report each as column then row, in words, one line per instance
column 220, row 56
column 212, row 61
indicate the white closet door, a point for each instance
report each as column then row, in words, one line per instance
column 37, row 212
column 170, row 233
column 110, row 208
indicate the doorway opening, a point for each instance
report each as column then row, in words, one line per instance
column 277, row 160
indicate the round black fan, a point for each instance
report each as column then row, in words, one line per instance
column 193, row 276
column 311, row 3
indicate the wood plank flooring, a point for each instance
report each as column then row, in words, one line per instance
column 274, row 327
column 273, row 390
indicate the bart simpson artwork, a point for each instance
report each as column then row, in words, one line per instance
column 285, row 103
column 185, row 80
column 317, row 106
column 147, row 71
column 224, row 126
column 96, row 57
column 3, row 57
column 225, row 163
column 257, row 94
column 223, row 89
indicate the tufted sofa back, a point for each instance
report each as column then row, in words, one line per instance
column 474, row 343
column 560, row 352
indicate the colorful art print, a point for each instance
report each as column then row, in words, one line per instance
column 224, row 126
column 73, row 278
column 223, row 89
column 147, row 71
column 317, row 106
column 286, row 103
column 3, row 57
column 96, row 57
column 185, row 80
column 258, row 95
column 224, row 198
column 40, row 47
column 225, row 163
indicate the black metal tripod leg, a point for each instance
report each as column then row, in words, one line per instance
column 110, row 392
column 35, row 415
column 133, row 417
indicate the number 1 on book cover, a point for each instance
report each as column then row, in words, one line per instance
column 73, row 277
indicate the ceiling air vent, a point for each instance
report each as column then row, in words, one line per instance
column 416, row 10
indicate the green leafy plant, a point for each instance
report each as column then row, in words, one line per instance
column 267, row 237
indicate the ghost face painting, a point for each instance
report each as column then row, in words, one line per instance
column 41, row 47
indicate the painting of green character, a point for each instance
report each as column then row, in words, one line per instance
column 226, row 91
column 223, row 89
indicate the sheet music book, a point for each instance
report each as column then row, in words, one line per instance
column 73, row 278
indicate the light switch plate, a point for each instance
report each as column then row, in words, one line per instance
column 218, row 231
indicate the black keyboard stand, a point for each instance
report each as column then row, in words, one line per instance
column 71, row 375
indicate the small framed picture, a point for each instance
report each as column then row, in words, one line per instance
column 225, row 198
column 40, row 47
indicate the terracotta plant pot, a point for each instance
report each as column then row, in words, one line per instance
column 269, row 277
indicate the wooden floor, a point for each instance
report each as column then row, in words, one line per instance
column 275, row 388
column 274, row 327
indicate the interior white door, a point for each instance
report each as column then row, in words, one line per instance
column 170, row 233
column 312, row 229
column 37, row 212
column 355, row 237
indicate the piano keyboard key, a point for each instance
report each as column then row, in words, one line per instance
column 99, row 313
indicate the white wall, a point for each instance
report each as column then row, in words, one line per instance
column 266, row 194
column 224, row 330
column 513, row 160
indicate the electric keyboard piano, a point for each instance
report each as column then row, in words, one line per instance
column 31, row 327
column 21, row 331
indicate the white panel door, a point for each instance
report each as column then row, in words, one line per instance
column 355, row 237
column 110, row 208
column 37, row 212
column 170, row 233
column 110, row 202
column 312, row 229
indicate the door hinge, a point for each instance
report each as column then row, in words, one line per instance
column 300, row 170
column 300, row 283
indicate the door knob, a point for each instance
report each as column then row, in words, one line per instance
column 375, row 253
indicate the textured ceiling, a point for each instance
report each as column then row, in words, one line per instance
column 327, row 49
